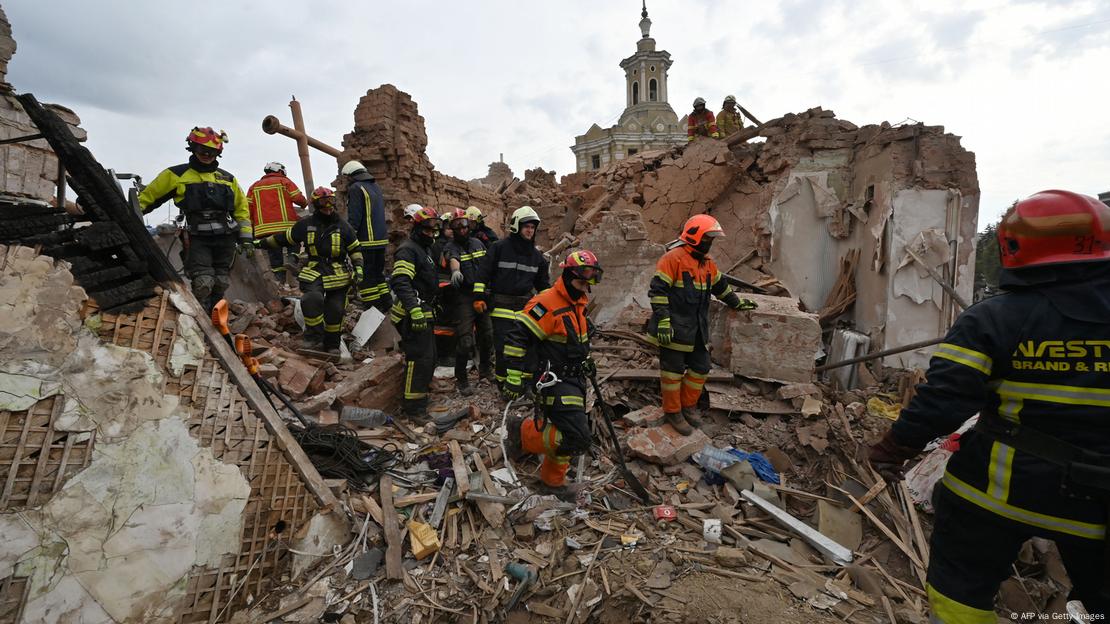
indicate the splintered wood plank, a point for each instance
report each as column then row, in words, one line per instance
column 393, row 540
column 458, row 464
column 494, row 513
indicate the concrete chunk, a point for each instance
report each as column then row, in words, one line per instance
column 776, row 341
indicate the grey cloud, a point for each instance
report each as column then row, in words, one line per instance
column 953, row 29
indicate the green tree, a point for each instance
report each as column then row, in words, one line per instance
column 987, row 263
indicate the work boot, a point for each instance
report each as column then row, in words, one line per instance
column 463, row 386
column 692, row 415
column 462, row 381
column 679, row 423
column 568, row 492
column 486, row 372
column 313, row 339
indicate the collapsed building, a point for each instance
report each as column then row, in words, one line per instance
column 145, row 479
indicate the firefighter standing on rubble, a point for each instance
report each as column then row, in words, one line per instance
column 729, row 119
column 478, row 227
column 415, row 285
column 271, row 202
column 700, row 122
column 215, row 211
column 327, row 276
column 366, row 214
column 512, row 270
column 1034, row 363
column 553, row 329
column 463, row 256
column 684, row 279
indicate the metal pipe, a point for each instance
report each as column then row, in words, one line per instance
column 302, row 145
column 272, row 125
column 879, row 354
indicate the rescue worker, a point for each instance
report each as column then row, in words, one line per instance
column 511, row 272
column 701, row 122
column 1032, row 362
column 411, row 210
column 729, row 119
column 326, row 277
column 463, row 256
column 271, row 202
column 553, row 328
column 215, row 212
column 478, row 227
column 366, row 214
column 414, row 283
column 679, row 293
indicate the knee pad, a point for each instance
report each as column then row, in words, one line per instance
column 203, row 286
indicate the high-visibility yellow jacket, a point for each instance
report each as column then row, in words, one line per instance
column 729, row 121
column 208, row 196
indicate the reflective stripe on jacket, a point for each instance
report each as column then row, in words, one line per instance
column 729, row 122
column 270, row 202
column 328, row 243
column 413, row 280
column 512, row 266
column 701, row 125
column 206, row 198
column 366, row 211
column 680, row 290
column 1024, row 358
column 555, row 327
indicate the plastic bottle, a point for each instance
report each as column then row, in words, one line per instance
column 363, row 417
column 714, row 459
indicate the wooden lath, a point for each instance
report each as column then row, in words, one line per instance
column 36, row 460
column 13, row 595
column 222, row 419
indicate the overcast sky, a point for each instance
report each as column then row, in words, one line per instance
column 1024, row 83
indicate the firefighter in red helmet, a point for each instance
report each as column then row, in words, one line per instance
column 1034, row 363
column 215, row 209
column 554, row 331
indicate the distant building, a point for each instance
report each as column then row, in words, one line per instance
column 648, row 121
column 1104, row 198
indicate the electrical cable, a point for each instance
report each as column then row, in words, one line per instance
column 338, row 453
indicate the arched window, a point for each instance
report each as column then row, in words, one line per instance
column 653, row 90
column 635, row 93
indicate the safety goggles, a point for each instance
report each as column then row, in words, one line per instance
column 203, row 150
column 592, row 275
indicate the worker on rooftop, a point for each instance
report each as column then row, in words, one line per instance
column 366, row 214
column 554, row 332
column 679, row 293
column 215, row 211
column 701, row 122
column 729, row 119
column 334, row 264
column 1032, row 363
column 511, row 272
column 271, row 202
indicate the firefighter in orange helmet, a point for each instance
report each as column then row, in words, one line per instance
column 684, row 279
column 1034, row 363
column 554, row 327
column 215, row 210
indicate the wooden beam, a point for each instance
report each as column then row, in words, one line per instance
column 458, row 464
column 394, row 541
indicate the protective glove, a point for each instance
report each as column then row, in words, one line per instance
column 589, row 367
column 457, row 279
column 417, row 322
column 259, row 243
column 513, row 386
column 479, row 306
column 744, row 304
column 663, row 332
column 247, row 248
column 359, row 273
column 887, row 457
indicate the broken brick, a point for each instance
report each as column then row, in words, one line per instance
column 295, row 376
column 650, row 416
column 663, row 445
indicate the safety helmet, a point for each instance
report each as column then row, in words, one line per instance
column 522, row 215
column 1054, row 227
column 699, row 102
column 447, row 215
column 411, row 210
column 352, row 167
column 323, row 196
column 583, row 264
column 473, row 213
column 274, row 167
column 424, row 214
column 698, row 227
column 730, row 98
column 456, row 216
column 206, row 137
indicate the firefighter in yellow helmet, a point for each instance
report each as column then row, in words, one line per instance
column 215, row 210
column 729, row 119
